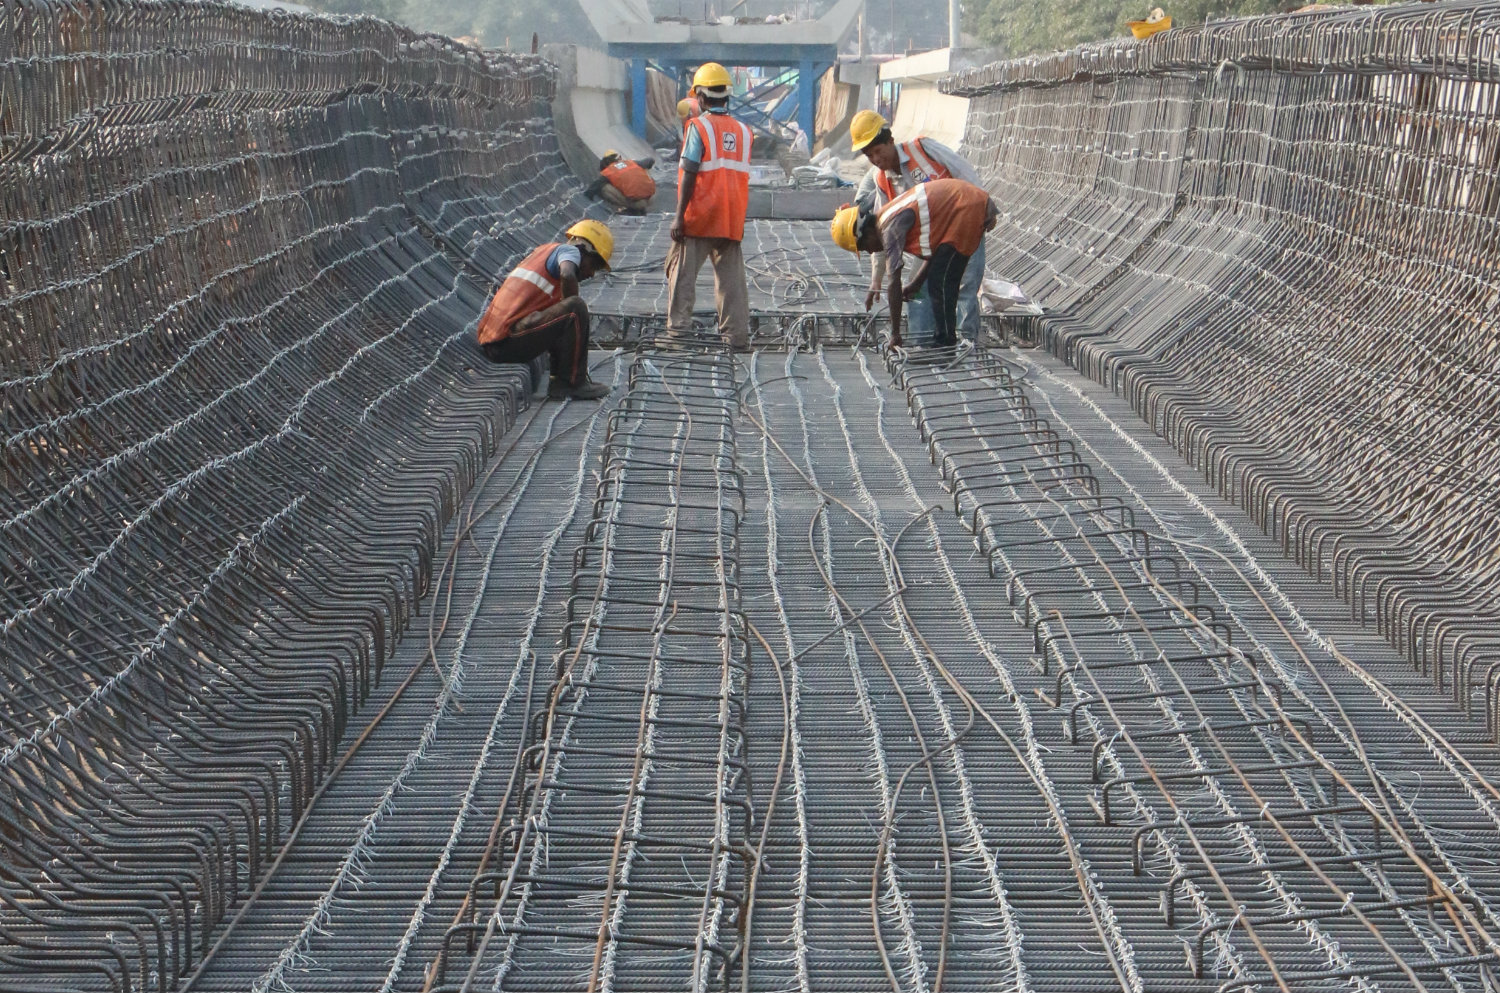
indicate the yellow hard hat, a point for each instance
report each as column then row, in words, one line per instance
column 610, row 153
column 711, row 76
column 599, row 237
column 843, row 228
column 684, row 109
column 865, row 128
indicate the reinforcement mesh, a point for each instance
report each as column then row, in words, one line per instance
column 1293, row 276
column 241, row 259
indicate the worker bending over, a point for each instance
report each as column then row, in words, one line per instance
column 898, row 166
column 713, row 193
column 624, row 184
column 537, row 310
column 941, row 222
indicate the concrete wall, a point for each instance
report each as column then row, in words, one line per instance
column 592, row 107
column 922, row 108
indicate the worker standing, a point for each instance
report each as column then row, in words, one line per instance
column 713, row 194
column 624, row 184
column 898, row 166
column 537, row 310
column 941, row 222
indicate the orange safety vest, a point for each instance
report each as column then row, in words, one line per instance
column 630, row 179
column 949, row 212
column 923, row 169
column 722, row 194
column 528, row 289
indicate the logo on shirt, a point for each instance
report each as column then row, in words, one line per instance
column 919, row 176
column 731, row 142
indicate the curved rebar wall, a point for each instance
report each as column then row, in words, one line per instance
column 1278, row 238
column 241, row 258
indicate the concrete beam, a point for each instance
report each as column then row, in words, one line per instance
column 693, row 53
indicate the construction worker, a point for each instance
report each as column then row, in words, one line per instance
column 713, row 193
column 624, row 184
column 941, row 222
column 537, row 310
column 897, row 167
column 687, row 109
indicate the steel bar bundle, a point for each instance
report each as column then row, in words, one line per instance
column 627, row 839
column 1276, row 237
column 240, row 266
column 1242, row 791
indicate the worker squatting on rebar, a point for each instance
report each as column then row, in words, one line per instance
column 713, row 196
column 942, row 222
column 896, row 167
column 537, row 310
column 624, row 184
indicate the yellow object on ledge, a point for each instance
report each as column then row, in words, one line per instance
column 1158, row 21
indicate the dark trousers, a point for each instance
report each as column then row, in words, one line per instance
column 563, row 333
column 944, row 274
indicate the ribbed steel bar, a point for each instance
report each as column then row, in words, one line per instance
column 240, row 401
column 638, row 768
column 1296, row 293
column 1220, row 723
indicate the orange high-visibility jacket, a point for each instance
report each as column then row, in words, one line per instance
column 630, row 179
column 528, row 289
column 924, row 169
column 949, row 212
column 722, row 194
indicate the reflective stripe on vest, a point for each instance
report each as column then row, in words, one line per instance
column 721, row 195
column 949, row 212
column 630, row 179
column 528, row 289
column 917, row 155
column 915, row 197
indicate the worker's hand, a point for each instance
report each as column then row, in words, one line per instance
column 907, row 292
column 870, row 300
column 678, row 230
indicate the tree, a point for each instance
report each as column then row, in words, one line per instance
column 492, row 22
column 1021, row 27
column 391, row 10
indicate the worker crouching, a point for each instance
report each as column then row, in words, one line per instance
column 624, row 184
column 713, row 196
column 941, row 222
column 537, row 310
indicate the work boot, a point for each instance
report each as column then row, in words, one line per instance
column 586, row 390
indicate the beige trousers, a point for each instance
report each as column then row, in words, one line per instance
column 611, row 195
column 731, row 296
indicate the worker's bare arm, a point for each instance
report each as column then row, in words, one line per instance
column 895, row 298
column 877, row 280
column 568, row 275
column 684, row 197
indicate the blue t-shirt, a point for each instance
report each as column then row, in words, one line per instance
column 561, row 254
